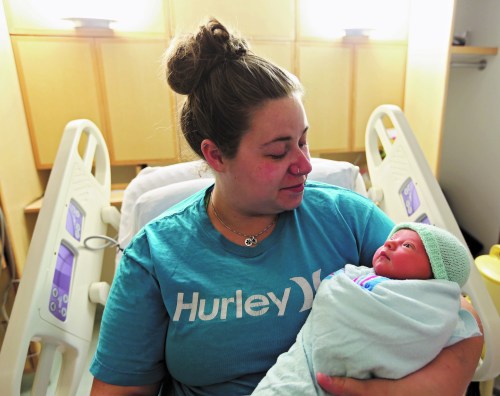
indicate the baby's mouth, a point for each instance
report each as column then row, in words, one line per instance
column 384, row 254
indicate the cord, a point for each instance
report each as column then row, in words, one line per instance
column 110, row 242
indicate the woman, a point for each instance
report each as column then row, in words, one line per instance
column 210, row 293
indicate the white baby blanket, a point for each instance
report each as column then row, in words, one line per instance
column 389, row 331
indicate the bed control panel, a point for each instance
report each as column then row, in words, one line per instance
column 411, row 200
column 59, row 296
column 74, row 220
column 65, row 263
column 410, row 197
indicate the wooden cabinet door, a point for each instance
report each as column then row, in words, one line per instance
column 281, row 53
column 58, row 78
column 325, row 71
column 140, row 106
column 379, row 78
column 256, row 19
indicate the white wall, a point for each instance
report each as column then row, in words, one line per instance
column 470, row 162
column 20, row 183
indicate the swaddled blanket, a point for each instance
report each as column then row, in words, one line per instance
column 362, row 325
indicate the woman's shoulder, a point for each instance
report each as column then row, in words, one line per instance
column 326, row 187
column 173, row 220
column 169, row 231
column 186, row 208
column 328, row 193
column 349, row 205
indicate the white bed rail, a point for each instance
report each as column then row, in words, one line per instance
column 405, row 188
column 52, row 304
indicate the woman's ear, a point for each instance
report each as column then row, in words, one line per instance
column 212, row 154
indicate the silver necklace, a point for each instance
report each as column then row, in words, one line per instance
column 250, row 240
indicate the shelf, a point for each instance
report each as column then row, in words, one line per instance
column 471, row 50
column 115, row 200
column 469, row 56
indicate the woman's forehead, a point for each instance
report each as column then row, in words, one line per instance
column 283, row 116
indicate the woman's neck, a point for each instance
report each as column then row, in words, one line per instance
column 244, row 229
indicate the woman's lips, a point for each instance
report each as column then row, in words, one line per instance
column 297, row 188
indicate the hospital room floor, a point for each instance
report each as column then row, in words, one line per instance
column 496, row 390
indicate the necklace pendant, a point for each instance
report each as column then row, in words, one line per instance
column 251, row 241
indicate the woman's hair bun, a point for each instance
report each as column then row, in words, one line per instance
column 192, row 58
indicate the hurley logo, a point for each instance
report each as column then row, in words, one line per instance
column 194, row 307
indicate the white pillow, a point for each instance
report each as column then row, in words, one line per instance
column 153, row 203
column 149, row 179
column 338, row 173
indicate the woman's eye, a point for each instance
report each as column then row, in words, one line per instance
column 277, row 156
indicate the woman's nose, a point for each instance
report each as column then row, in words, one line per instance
column 302, row 166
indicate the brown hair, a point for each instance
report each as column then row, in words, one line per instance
column 224, row 83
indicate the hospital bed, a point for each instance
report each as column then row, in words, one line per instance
column 56, row 300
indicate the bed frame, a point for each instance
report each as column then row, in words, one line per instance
column 56, row 300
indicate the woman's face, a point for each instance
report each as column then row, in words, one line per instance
column 403, row 256
column 267, row 175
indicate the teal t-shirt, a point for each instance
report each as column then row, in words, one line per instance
column 210, row 317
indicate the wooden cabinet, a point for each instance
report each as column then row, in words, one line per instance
column 344, row 83
column 281, row 53
column 255, row 20
column 115, row 79
column 59, row 82
column 379, row 71
column 29, row 16
column 114, row 82
column 326, row 73
column 140, row 107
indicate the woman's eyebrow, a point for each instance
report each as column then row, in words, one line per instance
column 282, row 138
column 277, row 140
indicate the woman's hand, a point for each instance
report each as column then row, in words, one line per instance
column 448, row 374
column 344, row 386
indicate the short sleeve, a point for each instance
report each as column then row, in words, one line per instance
column 131, row 345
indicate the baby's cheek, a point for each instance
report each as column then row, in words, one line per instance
column 375, row 257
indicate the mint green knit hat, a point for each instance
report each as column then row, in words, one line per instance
column 448, row 256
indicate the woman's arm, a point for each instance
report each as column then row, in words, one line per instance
column 448, row 374
column 100, row 388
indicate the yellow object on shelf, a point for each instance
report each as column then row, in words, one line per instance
column 489, row 267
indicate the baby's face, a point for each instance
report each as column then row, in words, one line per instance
column 403, row 256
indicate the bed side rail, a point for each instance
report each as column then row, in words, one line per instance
column 52, row 305
column 404, row 187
